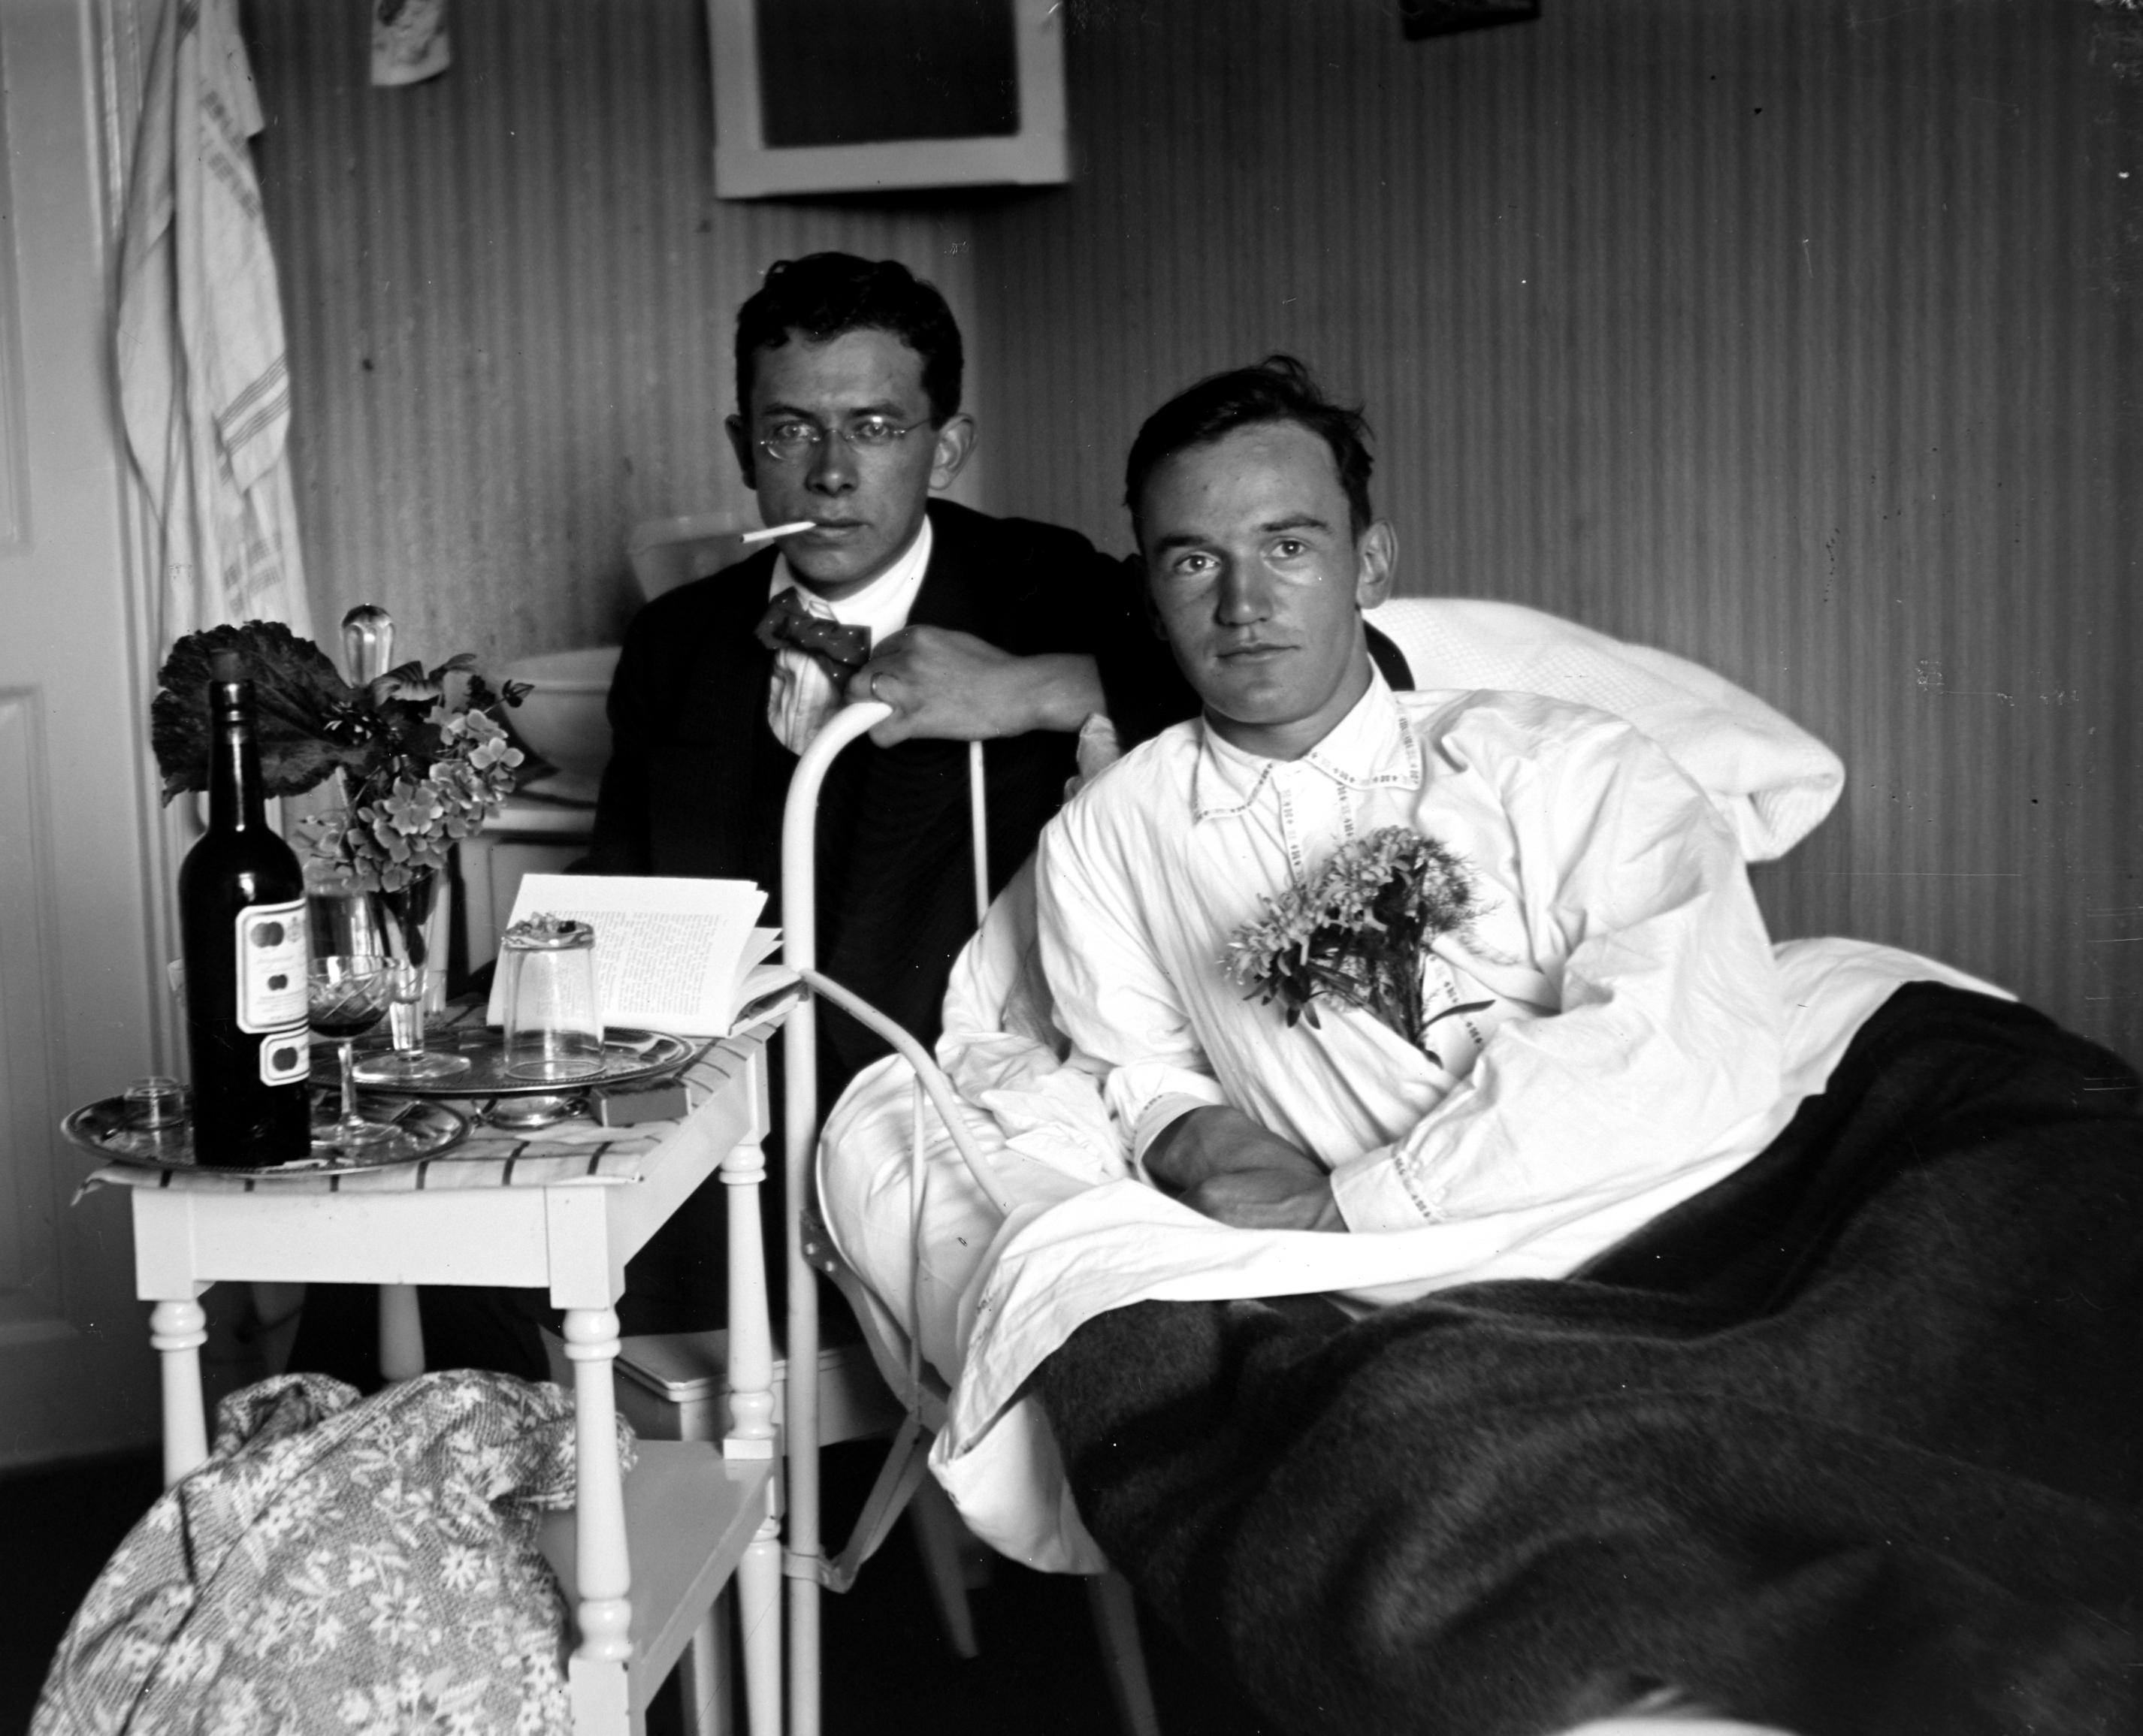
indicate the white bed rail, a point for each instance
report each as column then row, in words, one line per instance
column 929, row 1076
column 803, row 1557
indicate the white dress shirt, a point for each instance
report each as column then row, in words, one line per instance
column 1635, row 1028
column 802, row 695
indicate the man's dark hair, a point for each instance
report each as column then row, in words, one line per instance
column 824, row 294
column 1277, row 389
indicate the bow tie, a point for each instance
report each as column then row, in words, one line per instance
column 788, row 624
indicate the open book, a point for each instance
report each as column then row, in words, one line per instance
column 671, row 954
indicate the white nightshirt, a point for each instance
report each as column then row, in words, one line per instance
column 1635, row 1032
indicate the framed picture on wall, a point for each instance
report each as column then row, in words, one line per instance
column 857, row 95
column 1420, row 19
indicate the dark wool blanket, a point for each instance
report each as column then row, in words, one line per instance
column 1850, row 1442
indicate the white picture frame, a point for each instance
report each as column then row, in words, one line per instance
column 746, row 166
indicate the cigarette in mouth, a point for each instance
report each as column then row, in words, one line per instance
column 779, row 530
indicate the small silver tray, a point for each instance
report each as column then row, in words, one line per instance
column 628, row 1054
column 423, row 1130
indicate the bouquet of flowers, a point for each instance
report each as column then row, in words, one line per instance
column 1358, row 933
column 422, row 755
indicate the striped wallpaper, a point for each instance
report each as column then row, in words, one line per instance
column 1797, row 336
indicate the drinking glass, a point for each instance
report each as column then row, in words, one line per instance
column 554, row 1029
column 347, row 995
column 408, row 1063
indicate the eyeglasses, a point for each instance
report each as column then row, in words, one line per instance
column 787, row 441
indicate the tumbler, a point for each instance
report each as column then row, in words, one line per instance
column 554, row 1031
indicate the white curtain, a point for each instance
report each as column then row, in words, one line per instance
column 204, row 383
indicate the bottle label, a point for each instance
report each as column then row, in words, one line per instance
column 272, row 957
column 286, row 1056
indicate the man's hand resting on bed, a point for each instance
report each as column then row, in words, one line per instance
column 1217, row 1160
column 945, row 685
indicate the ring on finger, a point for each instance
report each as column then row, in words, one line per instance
column 873, row 685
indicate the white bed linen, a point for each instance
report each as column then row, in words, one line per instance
column 990, row 1296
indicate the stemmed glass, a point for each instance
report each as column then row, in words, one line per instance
column 408, row 1063
column 347, row 995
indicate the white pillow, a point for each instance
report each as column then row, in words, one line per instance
column 1772, row 781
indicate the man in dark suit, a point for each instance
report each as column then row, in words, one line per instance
column 973, row 627
column 848, row 375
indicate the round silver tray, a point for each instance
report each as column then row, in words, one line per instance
column 628, row 1054
column 423, row 1130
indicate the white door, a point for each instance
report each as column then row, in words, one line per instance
column 82, row 860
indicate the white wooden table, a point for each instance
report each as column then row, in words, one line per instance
column 564, row 1215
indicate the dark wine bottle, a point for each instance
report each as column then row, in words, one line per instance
column 242, row 929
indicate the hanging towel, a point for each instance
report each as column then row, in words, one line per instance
column 204, row 383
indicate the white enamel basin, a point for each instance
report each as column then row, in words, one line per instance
column 562, row 716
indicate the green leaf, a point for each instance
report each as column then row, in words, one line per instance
column 309, row 715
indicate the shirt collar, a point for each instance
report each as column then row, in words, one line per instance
column 883, row 605
column 1370, row 748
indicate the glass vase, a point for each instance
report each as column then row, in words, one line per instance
column 406, row 916
column 419, row 991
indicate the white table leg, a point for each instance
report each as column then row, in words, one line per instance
column 401, row 1333
column 604, row 1570
column 178, row 1330
column 705, row 1673
column 759, row 1619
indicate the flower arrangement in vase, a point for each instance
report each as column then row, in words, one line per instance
column 422, row 757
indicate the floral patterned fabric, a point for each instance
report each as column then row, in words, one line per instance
column 360, row 1567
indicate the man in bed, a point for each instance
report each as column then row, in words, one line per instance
column 1816, row 1399
column 1604, row 1012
